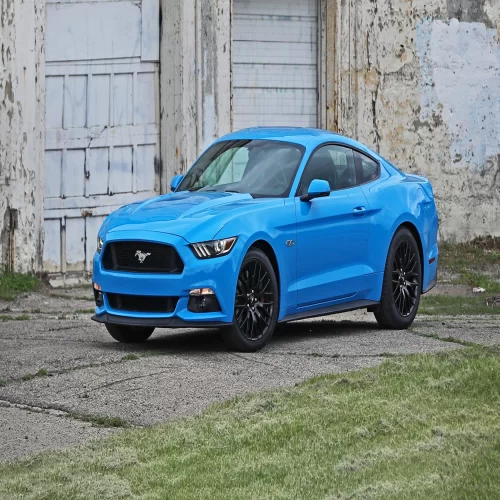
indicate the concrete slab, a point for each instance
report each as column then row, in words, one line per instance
column 482, row 330
column 55, row 345
column 155, row 389
column 24, row 433
column 178, row 372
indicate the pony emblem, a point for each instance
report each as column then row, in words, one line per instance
column 141, row 256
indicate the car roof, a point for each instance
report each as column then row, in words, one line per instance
column 310, row 138
column 296, row 135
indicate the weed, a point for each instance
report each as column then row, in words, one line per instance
column 13, row 284
column 105, row 421
column 450, row 305
column 475, row 263
column 42, row 372
column 5, row 317
column 130, row 357
column 449, row 338
column 90, row 298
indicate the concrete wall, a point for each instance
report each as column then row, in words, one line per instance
column 419, row 81
column 22, row 123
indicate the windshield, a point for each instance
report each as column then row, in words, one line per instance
column 258, row 167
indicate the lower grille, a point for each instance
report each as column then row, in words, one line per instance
column 142, row 303
column 142, row 257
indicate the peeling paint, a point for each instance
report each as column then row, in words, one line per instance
column 469, row 11
column 424, row 90
column 22, row 108
column 462, row 75
column 195, row 81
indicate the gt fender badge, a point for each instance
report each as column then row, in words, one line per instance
column 290, row 243
column 141, row 256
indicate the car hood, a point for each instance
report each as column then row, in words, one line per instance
column 194, row 216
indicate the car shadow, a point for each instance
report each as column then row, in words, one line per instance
column 208, row 340
column 311, row 329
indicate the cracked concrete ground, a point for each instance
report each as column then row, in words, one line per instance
column 60, row 372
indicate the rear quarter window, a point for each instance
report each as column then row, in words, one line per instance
column 369, row 169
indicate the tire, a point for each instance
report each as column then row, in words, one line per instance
column 129, row 334
column 402, row 283
column 256, row 304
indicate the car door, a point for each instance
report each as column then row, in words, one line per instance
column 332, row 232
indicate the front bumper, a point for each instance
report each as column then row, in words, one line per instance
column 219, row 274
column 172, row 322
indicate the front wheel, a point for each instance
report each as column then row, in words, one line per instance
column 129, row 334
column 256, row 304
column 402, row 283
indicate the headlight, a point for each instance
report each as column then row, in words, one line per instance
column 100, row 243
column 216, row 248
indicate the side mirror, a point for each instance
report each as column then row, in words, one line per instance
column 317, row 189
column 176, row 180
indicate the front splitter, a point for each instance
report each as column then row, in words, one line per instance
column 172, row 322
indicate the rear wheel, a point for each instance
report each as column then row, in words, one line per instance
column 256, row 304
column 402, row 283
column 129, row 334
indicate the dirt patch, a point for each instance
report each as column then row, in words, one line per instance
column 452, row 289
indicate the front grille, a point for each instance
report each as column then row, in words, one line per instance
column 142, row 257
column 142, row 303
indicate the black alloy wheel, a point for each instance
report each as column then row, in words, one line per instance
column 405, row 279
column 254, row 300
column 402, row 283
column 256, row 304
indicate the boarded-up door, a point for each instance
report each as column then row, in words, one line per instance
column 102, row 120
column 275, row 48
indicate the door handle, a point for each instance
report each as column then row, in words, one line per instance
column 359, row 211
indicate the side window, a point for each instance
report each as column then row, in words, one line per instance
column 369, row 169
column 334, row 164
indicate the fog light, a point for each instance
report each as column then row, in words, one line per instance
column 203, row 300
column 201, row 291
column 99, row 299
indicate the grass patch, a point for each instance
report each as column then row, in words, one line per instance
column 13, row 284
column 422, row 426
column 3, row 383
column 6, row 317
column 104, row 421
column 130, row 357
column 450, row 305
column 42, row 372
column 470, row 261
column 85, row 311
column 89, row 298
column 474, row 279
column 449, row 338
column 479, row 254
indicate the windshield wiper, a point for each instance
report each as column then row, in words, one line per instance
column 231, row 191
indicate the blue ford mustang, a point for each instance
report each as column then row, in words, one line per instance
column 269, row 225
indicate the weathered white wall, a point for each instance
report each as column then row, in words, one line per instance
column 195, row 80
column 22, row 108
column 419, row 81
